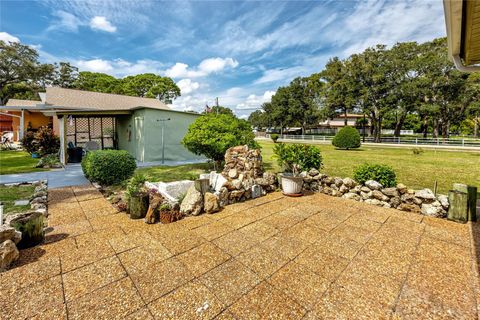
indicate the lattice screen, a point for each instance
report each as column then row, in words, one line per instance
column 102, row 130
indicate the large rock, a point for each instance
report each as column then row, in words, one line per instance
column 391, row 192
column 343, row 189
column 9, row 233
column 211, row 203
column 374, row 185
column 365, row 189
column 366, row 195
column 410, row 207
column 402, row 188
column 443, row 199
column 374, row 202
column 426, row 194
column 338, row 181
column 395, row 201
column 222, row 195
column 377, row 194
column 8, row 254
column 192, row 204
column 349, row 183
column 433, row 210
column 313, row 172
column 352, row 196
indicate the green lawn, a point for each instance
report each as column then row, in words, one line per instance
column 415, row 171
column 168, row 174
column 8, row 195
column 17, row 162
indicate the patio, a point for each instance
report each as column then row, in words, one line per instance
column 272, row 257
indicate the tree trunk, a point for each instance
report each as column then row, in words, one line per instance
column 399, row 124
column 425, row 126
column 435, row 128
column 345, row 114
column 476, row 121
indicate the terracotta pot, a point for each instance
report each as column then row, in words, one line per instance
column 291, row 185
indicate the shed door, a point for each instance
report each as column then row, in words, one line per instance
column 139, row 139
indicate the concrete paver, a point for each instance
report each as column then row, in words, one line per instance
column 314, row 257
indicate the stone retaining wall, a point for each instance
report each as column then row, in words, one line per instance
column 400, row 197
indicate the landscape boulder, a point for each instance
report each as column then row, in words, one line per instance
column 433, row 209
column 8, row 254
column 211, row 203
column 192, row 204
column 402, row 188
column 390, row 192
column 349, row 183
column 426, row 194
column 374, row 185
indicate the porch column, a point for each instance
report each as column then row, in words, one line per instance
column 22, row 126
column 62, row 134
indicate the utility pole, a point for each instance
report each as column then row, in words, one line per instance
column 216, row 103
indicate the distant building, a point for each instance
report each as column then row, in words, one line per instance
column 332, row 125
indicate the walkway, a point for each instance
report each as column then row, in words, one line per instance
column 314, row 257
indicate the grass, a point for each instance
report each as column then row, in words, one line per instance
column 175, row 173
column 8, row 195
column 415, row 171
column 17, row 162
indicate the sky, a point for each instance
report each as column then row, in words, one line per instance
column 240, row 52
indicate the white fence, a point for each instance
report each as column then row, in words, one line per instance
column 457, row 142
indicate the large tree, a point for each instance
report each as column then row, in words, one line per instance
column 99, row 82
column 150, row 85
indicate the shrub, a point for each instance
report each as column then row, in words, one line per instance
column 417, row 151
column 42, row 142
column 108, row 166
column 135, row 185
column 49, row 161
column 274, row 137
column 29, row 143
column 347, row 138
column 378, row 172
column 212, row 134
column 297, row 157
column 47, row 142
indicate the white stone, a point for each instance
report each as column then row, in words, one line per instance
column 443, row 199
column 21, row 203
column 8, row 254
column 349, row 182
column 352, row 196
column 426, row 194
column 374, row 185
column 192, row 204
column 171, row 191
column 256, row 191
column 432, row 211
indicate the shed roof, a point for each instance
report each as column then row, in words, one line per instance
column 72, row 98
column 22, row 103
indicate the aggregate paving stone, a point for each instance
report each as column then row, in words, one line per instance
column 262, row 261
column 114, row 301
column 213, row 230
column 267, row 302
column 275, row 257
column 235, row 242
column 203, row 258
column 191, row 301
column 300, row 283
column 229, row 281
column 84, row 280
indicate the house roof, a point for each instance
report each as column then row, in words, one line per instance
column 22, row 103
column 72, row 98
column 462, row 20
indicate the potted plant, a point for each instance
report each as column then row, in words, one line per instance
column 137, row 196
column 295, row 158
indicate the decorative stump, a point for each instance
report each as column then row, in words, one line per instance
column 458, row 210
column 31, row 225
column 138, row 206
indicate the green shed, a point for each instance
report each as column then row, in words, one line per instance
column 147, row 128
column 153, row 135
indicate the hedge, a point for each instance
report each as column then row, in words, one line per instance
column 347, row 138
column 108, row 167
column 378, row 172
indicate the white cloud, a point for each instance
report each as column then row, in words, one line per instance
column 255, row 102
column 206, row 67
column 187, row 86
column 7, row 37
column 65, row 21
column 101, row 23
column 120, row 67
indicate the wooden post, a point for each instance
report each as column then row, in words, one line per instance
column 138, row 206
column 471, row 192
column 458, row 209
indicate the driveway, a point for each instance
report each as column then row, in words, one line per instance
column 314, row 257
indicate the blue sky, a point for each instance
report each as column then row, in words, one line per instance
column 238, row 51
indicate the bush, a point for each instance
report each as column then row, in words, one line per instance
column 42, row 142
column 378, row 172
column 135, row 185
column 212, row 134
column 347, row 138
column 298, row 157
column 417, row 151
column 49, row 161
column 108, row 166
column 29, row 143
column 274, row 137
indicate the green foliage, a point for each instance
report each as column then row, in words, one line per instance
column 28, row 142
column 219, row 110
column 347, row 138
column 417, row 151
column 47, row 142
column 108, row 166
column 378, row 172
column 136, row 185
column 49, row 161
column 150, row 85
column 274, row 137
column 211, row 135
column 258, row 118
column 297, row 157
column 99, row 82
